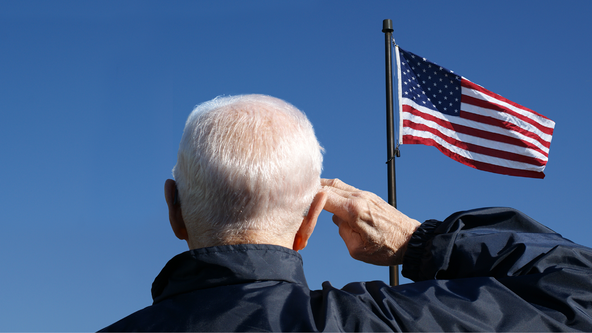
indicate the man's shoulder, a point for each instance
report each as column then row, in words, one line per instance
column 140, row 320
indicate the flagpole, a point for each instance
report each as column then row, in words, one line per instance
column 387, row 28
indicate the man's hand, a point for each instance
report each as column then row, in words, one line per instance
column 373, row 231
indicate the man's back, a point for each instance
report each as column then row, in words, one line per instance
column 228, row 288
column 522, row 280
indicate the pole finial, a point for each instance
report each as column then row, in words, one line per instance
column 387, row 25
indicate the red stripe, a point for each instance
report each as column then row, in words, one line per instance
column 503, row 124
column 473, row 131
column 468, row 84
column 493, row 106
column 409, row 139
column 476, row 148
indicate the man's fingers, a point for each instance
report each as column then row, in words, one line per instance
column 336, row 183
column 336, row 204
column 343, row 193
column 339, row 187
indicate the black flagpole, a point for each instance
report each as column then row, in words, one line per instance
column 387, row 28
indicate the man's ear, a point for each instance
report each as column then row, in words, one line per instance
column 175, row 217
column 310, row 221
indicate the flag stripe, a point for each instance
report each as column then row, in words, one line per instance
column 476, row 164
column 464, row 144
column 479, row 115
column 534, row 127
column 475, row 156
column 539, row 118
column 477, row 98
column 477, row 130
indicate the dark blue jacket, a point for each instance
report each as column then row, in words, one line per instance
column 484, row 270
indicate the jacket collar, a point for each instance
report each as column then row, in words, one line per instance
column 224, row 265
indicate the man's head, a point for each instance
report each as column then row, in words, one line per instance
column 248, row 169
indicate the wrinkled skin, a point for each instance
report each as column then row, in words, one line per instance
column 373, row 231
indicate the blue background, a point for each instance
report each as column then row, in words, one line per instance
column 94, row 96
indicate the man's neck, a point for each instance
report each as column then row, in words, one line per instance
column 252, row 238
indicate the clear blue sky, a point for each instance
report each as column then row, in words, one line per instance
column 94, row 96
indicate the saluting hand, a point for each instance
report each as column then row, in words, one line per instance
column 373, row 231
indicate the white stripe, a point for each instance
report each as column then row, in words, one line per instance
column 477, row 157
column 477, row 94
column 473, row 139
column 473, row 124
column 504, row 116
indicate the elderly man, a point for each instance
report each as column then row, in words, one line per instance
column 246, row 197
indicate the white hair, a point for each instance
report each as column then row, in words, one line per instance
column 246, row 163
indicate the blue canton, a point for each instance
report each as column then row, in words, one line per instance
column 429, row 85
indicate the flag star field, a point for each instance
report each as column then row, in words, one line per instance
column 430, row 85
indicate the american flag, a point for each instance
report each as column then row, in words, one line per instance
column 468, row 123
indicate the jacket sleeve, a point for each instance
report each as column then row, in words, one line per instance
column 495, row 251
column 494, row 242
